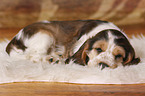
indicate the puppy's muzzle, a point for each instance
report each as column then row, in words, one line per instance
column 106, row 59
column 103, row 65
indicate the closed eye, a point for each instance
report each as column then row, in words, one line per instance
column 118, row 56
column 99, row 50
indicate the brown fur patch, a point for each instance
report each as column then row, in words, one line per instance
column 100, row 44
column 119, row 51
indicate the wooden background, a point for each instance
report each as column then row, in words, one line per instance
column 19, row 13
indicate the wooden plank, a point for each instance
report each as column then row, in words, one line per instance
column 8, row 33
column 46, row 89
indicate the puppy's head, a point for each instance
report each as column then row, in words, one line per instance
column 109, row 48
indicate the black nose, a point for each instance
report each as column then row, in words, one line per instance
column 103, row 65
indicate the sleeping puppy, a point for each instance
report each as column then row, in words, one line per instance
column 87, row 42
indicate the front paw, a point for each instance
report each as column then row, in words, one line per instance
column 51, row 59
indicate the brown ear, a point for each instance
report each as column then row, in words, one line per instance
column 131, row 60
column 84, row 56
column 135, row 61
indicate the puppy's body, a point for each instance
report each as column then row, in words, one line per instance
column 77, row 40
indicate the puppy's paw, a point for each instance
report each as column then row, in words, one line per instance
column 51, row 59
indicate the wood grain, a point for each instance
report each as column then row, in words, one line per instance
column 8, row 33
column 65, row 89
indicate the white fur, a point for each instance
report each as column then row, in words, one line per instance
column 37, row 46
column 92, row 33
column 14, row 69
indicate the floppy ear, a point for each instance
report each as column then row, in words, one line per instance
column 84, row 56
column 135, row 60
column 131, row 60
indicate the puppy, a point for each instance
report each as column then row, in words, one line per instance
column 87, row 42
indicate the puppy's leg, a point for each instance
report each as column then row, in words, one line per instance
column 34, row 48
column 38, row 46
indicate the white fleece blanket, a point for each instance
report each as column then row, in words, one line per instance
column 20, row 70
